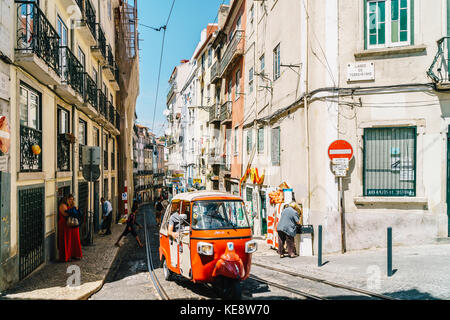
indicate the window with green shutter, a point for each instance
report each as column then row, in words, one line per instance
column 389, row 23
column 249, row 140
column 260, row 140
column 275, row 149
column 390, row 162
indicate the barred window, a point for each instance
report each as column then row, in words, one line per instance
column 390, row 162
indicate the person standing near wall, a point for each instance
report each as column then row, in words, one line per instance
column 287, row 229
column 107, row 216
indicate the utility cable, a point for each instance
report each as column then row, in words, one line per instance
column 160, row 63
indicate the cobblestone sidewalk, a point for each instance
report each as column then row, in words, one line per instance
column 50, row 281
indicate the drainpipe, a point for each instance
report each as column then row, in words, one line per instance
column 308, row 198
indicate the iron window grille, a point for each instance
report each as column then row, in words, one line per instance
column 390, row 162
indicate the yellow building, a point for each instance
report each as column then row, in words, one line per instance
column 63, row 94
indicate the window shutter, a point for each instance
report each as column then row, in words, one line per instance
column 275, row 150
column 260, row 140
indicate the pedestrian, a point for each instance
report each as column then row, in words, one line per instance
column 107, row 216
column 130, row 227
column 69, row 243
column 287, row 229
column 158, row 210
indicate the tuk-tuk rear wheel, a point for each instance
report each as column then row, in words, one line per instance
column 168, row 275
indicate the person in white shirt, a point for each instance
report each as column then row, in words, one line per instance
column 107, row 216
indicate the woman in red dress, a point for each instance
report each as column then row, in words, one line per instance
column 69, row 243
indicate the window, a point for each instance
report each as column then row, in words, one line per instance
column 262, row 64
column 388, row 23
column 62, row 32
column 95, row 75
column 96, row 137
column 105, row 151
column 203, row 62
column 252, row 14
column 276, row 62
column 250, row 80
column 109, row 10
column 209, row 57
column 82, row 139
column 238, row 84
column 30, row 129
column 390, row 162
column 82, row 58
column 230, row 86
column 276, row 146
column 30, row 109
column 238, row 23
column 249, row 140
column 82, row 132
column 63, row 121
column 260, row 140
column 236, row 133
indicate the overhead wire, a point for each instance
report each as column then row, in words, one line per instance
column 160, row 62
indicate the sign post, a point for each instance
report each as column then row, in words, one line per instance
column 340, row 153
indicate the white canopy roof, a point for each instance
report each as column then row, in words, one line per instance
column 190, row 196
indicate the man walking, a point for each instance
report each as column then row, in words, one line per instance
column 107, row 216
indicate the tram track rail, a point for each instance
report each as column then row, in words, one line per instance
column 288, row 289
column 151, row 269
column 326, row 282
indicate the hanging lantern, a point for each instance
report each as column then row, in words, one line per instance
column 36, row 149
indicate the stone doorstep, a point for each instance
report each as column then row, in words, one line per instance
column 98, row 275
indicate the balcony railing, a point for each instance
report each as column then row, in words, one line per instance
column 439, row 71
column 102, row 104
column 64, row 151
column 35, row 34
column 90, row 91
column 101, row 40
column 72, row 72
column 214, row 71
column 29, row 161
column 110, row 57
column 171, row 91
column 90, row 16
column 225, row 111
column 235, row 47
column 214, row 115
column 111, row 113
column 117, row 123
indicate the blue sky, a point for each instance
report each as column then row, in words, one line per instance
column 188, row 19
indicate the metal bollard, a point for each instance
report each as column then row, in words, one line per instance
column 319, row 250
column 389, row 252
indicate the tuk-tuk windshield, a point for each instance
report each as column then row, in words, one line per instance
column 217, row 214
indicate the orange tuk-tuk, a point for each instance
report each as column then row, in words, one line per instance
column 206, row 237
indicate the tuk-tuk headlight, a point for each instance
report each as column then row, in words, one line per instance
column 205, row 248
column 251, row 246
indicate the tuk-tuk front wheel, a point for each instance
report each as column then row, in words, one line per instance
column 231, row 289
column 168, row 274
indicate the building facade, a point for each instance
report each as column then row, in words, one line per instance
column 61, row 81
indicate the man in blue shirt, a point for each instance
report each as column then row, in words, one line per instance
column 107, row 216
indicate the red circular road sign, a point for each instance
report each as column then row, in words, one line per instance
column 340, row 149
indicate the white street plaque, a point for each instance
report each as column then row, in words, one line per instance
column 360, row 71
column 340, row 173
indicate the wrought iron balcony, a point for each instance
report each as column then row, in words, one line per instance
column 110, row 57
column 214, row 115
column 117, row 121
column 111, row 113
column 215, row 72
column 90, row 16
column 72, row 71
column 64, row 151
column 234, row 49
column 439, row 70
column 171, row 91
column 99, row 50
column 225, row 112
column 90, row 91
column 102, row 104
column 36, row 36
column 29, row 138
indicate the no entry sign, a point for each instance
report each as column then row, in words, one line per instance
column 340, row 149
